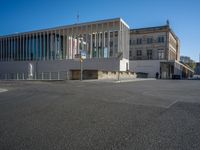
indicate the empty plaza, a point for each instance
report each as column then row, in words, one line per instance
column 157, row 114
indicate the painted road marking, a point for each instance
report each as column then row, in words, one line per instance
column 3, row 90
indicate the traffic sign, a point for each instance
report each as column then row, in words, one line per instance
column 83, row 54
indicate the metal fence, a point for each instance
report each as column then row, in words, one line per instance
column 62, row 75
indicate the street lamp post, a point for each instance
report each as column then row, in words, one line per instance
column 81, row 69
column 81, row 56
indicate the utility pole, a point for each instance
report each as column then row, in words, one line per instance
column 199, row 57
column 81, row 69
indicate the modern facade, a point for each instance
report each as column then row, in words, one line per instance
column 101, row 39
column 55, row 49
column 109, row 45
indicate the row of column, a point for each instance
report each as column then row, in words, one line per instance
column 99, row 40
column 36, row 46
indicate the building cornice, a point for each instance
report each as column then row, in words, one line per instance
column 67, row 26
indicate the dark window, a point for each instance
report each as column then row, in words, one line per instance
column 161, row 39
column 111, row 52
column 116, row 33
column 139, row 41
column 139, row 53
column 106, row 35
column 149, row 40
column 130, row 53
column 93, row 36
column 149, row 54
column 111, row 43
column 111, row 34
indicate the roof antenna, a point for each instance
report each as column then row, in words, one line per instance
column 77, row 17
column 167, row 22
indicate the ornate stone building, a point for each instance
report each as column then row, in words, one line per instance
column 156, row 50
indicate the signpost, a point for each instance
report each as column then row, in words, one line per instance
column 83, row 55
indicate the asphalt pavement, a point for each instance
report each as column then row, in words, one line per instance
column 74, row 115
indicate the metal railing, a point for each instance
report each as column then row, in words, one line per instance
column 62, row 75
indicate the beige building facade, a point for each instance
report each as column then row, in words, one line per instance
column 156, row 43
column 156, row 52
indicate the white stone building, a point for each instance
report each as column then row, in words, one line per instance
column 53, row 51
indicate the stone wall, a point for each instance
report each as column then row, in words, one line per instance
column 151, row 67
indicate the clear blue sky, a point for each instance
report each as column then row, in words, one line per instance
column 184, row 16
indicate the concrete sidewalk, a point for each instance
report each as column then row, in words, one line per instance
column 120, row 81
column 134, row 80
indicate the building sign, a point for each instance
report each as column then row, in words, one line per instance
column 83, row 54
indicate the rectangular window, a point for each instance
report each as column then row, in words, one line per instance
column 139, row 41
column 139, row 53
column 149, row 40
column 116, row 33
column 111, row 43
column 106, row 34
column 111, row 52
column 161, row 54
column 149, row 54
column 130, row 53
column 161, row 39
column 111, row 34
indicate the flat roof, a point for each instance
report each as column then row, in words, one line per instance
column 150, row 28
column 69, row 26
column 183, row 65
column 156, row 28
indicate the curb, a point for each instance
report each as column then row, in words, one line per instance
column 134, row 80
